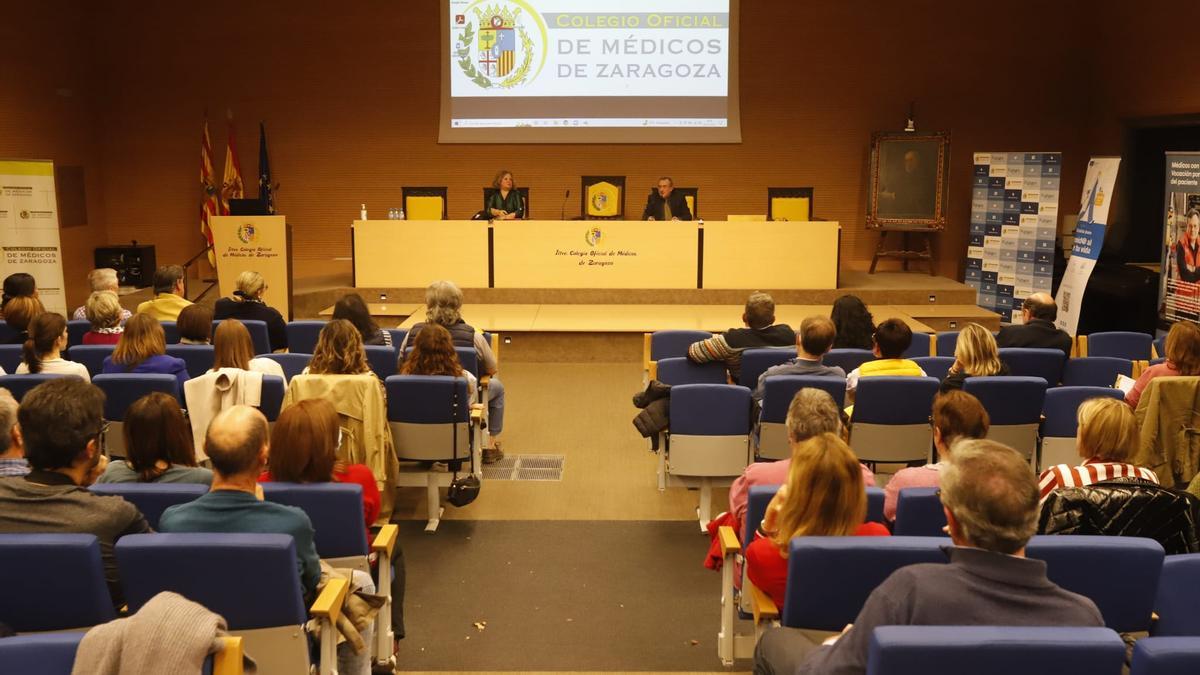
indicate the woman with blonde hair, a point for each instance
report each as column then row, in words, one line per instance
column 824, row 496
column 1183, row 358
column 42, row 352
column 975, row 355
column 103, row 312
column 339, row 351
column 443, row 306
column 1107, row 440
column 19, row 312
column 143, row 349
column 233, row 348
column 247, row 305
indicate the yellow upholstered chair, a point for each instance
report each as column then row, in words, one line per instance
column 602, row 197
column 424, row 203
column 752, row 217
column 794, row 203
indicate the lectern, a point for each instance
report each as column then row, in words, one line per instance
column 261, row 244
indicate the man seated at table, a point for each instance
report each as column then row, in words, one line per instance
column 990, row 497
column 812, row 342
column 760, row 331
column 1039, row 312
column 665, row 204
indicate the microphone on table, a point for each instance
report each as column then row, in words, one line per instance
column 562, row 212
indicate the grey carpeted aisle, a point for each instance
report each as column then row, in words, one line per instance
column 559, row 596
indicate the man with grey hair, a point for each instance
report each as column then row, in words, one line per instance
column 12, row 450
column 811, row 413
column 170, row 287
column 990, row 497
column 760, row 331
column 102, row 279
column 666, row 204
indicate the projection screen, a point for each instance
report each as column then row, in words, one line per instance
column 559, row 71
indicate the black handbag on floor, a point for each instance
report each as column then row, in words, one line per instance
column 463, row 490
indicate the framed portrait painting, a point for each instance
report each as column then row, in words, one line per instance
column 908, row 180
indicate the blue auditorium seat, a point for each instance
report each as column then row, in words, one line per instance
column 170, row 332
column 293, row 363
column 1087, row 565
column 1178, row 601
column 891, row 418
column 1166, row 656
column 198, row 358
column 1160, row 347
column 11, row 356
column 258, row 334
column 947, row 342
column 680, row 370
column 875, row 498
column 665, row 344
column 778, row 392
column 92, row 357
column 1047, row 364
column 19, row 385
column 55, row 582
column 1059, row 427
column 76, row 328
column 1095, row 371
column 922, row 345
column 120, row 391
column 274, row 388
column 847, row 359
column 755, row 362
column 302, row 335
column 1121, row 344
column 398, row 335
column 336, row 512
column 935, row 366
column 1014, row 404
column 708, row 438
column 919, row 513
column 382, row 360
column 994, row 650
column 152, row 498
column 43, row 654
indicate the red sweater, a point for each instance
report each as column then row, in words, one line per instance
column 355, row 473
column 767, row 569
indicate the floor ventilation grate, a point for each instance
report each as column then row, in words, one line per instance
column 526, row 467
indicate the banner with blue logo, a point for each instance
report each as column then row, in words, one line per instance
column 1179, row 288
column 1089, row 239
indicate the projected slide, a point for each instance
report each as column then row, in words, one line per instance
column 561, row 66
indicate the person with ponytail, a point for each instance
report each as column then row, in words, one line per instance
column 43, row 348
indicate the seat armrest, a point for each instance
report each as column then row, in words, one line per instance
column 328, row 604
column 496, row 348
column 484, row 380
column 764, row 608
column 385, row 542
column 652, row 371
column 228, row 661
column 729, row 541
column 646, row 338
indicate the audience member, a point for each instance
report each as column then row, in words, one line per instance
column 1107, row 440
column 1183, row 358
column 812, row 342
column 892, row 338
column 42, row 352
column 760, row 331
column 305, row 442
column 853, row 323
column 975, row 355
column 18, row 285
column 990, row 497
column 824, row 496
column 238, row 444
column 247, row 305
column 12, row 450
column 1038, row 313
column 102, row 280
column 195, row 325
column 143, row 349
column 19, row 313
column 104, row 313
column 60, row 423
column 169, row 289
column 433, row 353
column 957, row 416
column 443, row 306
column 812, row 412
column 158, row 443
column 339, row 351
column 352, row 308
column 233, row 348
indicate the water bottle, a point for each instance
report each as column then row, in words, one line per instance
column 400, row 214
column 362, row 212
column 391, row 214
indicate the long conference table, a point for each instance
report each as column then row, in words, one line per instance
column 617, row 254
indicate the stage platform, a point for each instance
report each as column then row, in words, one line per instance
column 588, row 325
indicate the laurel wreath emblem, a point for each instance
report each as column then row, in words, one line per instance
column 463, row 51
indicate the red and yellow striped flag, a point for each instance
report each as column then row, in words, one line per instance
column 231, row 186
column 208, row 192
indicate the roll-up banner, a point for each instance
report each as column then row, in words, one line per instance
column 29, row 228
column 1089, row 239
column 1179, row 288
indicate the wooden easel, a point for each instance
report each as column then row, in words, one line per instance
column 923, row 251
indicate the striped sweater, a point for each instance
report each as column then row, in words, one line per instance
column 1091, row 471
column 728, row 346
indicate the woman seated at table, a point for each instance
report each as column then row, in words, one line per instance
column 42, row 352
column 824, row 496
column 957, row 416
column 158, row 443
column 195, row 325
column 975, row 355
column 247, row 304
column 233, row 348
column 1107, row 440
column 505, row 201
column 143, row 349
column 1183, row 358
column 353, row 308
column 103, row 312
column 339, row 351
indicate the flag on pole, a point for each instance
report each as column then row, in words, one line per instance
column 231, row 186
column 208, row 192
column 266, row 189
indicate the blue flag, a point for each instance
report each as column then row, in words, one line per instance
column 266, row 189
